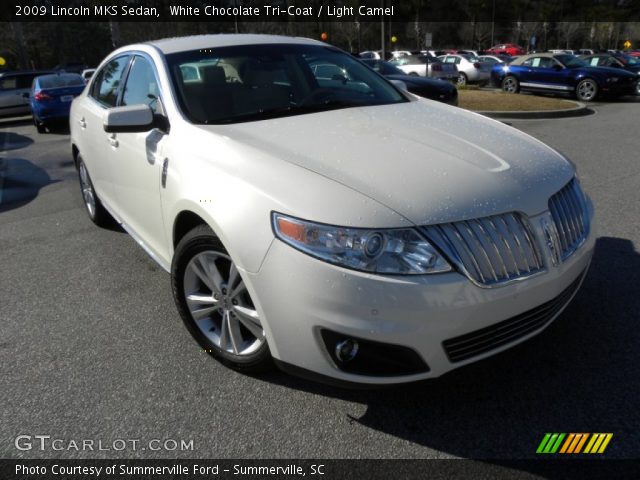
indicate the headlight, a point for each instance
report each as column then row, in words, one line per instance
column 398, row 251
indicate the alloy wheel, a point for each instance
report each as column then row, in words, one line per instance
column 587, row 90
column 87, row 190
column 462, row 79
column 220, row 304
column 510, row 85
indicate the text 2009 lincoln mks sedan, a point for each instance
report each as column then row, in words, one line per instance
column 337, row 227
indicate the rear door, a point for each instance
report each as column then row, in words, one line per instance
column 94, row 143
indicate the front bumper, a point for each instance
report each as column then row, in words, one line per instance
column 300, row 296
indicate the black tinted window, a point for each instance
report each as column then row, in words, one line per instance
column 141, row 86
column 61, row 80
column 106, row 87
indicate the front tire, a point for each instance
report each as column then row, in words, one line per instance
column 587, row 90
column 215, row 304
column 510, row 84
column 92, row 204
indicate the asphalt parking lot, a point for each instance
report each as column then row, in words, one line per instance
column 92, row 346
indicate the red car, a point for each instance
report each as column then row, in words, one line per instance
column 506, row 48
column 635, row 53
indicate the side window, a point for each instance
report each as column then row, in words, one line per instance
column 106, row 86
column 25, row 81
column 141, row 86
column 535, row 62
column 594, row 61
column 8, row 83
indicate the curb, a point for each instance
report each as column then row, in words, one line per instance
column 579, row 111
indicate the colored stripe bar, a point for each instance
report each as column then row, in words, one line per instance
column 543, row 443
column 593, row 439
column 581, row 443
column 555, row 447
column 606, row 442
column 576, row 440
column 596, row 445
column 567, row 442
column 550, row 443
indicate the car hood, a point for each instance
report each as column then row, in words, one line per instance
column 429, row 162
column 608, row 71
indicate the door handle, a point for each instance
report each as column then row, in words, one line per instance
column 82, row 122
column 113, row 141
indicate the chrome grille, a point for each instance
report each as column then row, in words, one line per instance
column 489, row 338
column 489, row 250
column 569, row 212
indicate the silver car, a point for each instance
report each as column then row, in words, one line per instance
column 425, row 66
column 470, row 69
column 14, row 92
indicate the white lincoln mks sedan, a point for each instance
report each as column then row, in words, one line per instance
column 335, row 226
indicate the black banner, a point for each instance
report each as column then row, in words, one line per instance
column 16, row 469
column 319, row 11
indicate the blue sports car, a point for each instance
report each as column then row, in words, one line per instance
column 51, row 97
column 563, row 73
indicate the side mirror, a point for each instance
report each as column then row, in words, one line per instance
column 400, row 84
column 129, row 119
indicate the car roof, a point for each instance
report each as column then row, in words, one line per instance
column 198, row 42
column 24, row 72
column 523, row 58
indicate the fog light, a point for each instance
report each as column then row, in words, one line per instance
column 346, row 350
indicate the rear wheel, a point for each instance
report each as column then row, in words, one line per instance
column 587, row 90
column 40, row 127
column 92, row 204
column 510, row 84
column 214, row 303
column 638, row 87
column 462, row 79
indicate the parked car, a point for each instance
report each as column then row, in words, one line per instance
column 51, row 97
column 400, row 53
column 585, row 51
column 87, row 74
column 424, row 87
column 425, row 66
column 14, row 92
column 563, row 73
column 71, row 67
column 493, row 59
column 470, row 69
column 473, row 53
column 345, row 236
column 505, row 48
column 370, row 54
column 615, row 60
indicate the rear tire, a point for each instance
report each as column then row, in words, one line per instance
column 462, row 79
column 215, row 305
column 587, row 90
column 40, row 127
column 92, row 204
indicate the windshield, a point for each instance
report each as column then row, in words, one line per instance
column 255, row 82
column 571, row 61
column 629, row 60
column 61, row 80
